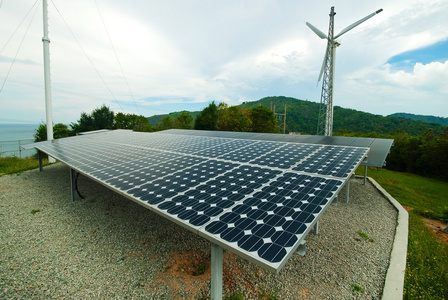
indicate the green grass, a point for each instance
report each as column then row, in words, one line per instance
column 365, row 236
column 427, row 262
column 268, row 295
column 12, row 164
column 235, row 296
column 201, row 269
column 357, row 289
column 421, row 193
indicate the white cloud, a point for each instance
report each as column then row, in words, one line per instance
column 195, row 51
column 384, row 91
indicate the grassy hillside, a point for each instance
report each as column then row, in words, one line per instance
column 427, row 262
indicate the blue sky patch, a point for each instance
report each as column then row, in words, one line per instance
column 405, row 61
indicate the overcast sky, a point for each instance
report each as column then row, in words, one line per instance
column 180, row 55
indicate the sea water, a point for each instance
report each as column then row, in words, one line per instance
column 15, row 132
column 14, row 135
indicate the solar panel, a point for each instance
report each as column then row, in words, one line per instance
column 379, row 148
column 256, row 198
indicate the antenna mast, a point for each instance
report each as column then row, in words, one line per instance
column 47, row 79
column 48, row 104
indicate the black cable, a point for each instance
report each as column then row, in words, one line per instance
column 76, row 186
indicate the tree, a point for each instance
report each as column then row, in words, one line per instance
column 263, row 120
column 123, row 121
column 166, row 123
column 59, row 131
column 133, row 122
column 232, row 118
column 142, row 124
column 207, row 118
column 101, row 118
column 183, row 121
column 85, row 123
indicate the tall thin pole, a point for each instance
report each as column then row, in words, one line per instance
column 284, row 121
column 47, row 79
column 48, row 104
column 330, row 107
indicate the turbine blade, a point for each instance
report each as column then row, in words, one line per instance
column 322, row 69
column 317, row 31
column 348, row 28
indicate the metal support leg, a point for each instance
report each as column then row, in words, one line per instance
column 316, row 228
column 301, row 250
column 335, row 201
column 365, row 175
column 216, row 276
column 347, row 193
column 73, row 184
column 41, row 166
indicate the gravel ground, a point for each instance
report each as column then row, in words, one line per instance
column 107, row 246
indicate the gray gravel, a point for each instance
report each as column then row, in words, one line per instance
column 107, row 246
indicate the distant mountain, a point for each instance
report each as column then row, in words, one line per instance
column 302, row 115
column 427, row 119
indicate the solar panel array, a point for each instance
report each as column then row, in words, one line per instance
column 378, row 148
column 258, row 199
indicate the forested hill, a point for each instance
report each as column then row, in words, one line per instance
column 427, row 119
column 157, row 118
column 301, row 116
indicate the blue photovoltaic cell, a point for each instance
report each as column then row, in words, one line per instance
column 257, row 198
column 332, row 160
column 158, row 168
column 286, row 156
column 274, row 217
column 251, row 152
column 224, row 148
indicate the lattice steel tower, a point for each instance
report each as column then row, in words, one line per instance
column 325, row 121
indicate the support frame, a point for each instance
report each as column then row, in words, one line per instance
column 216, row 272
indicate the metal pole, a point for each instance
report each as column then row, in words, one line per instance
column 330, row 108
column 41, row 166
column 347, row 193
column 365, row 175
column 284, row 122
column 48, row 104
column 73, row 185
column 216, row 272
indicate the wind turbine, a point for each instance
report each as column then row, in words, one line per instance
column 325, row 121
